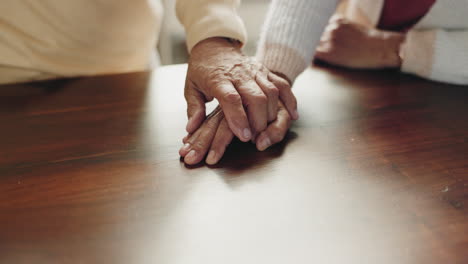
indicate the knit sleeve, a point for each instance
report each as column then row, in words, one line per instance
column 291, row 33
column 204, row 19
column 439, row 55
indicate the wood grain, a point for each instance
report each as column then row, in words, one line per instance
column 375, row 171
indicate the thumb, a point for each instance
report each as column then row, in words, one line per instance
column 195, row 107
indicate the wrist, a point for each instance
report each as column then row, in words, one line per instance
column 392, row 43
column 217, row 43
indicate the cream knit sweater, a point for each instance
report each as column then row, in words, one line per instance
column 291, row 33
column 436, row 48
column 42, row 39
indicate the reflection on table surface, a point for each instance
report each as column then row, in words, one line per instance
column 375, row 171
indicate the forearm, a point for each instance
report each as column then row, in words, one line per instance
column 291, row 33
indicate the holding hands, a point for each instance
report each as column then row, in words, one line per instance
column 254, row 104
column 214, row 135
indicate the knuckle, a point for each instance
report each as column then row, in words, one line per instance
column 211, row 126
column 273, row 91
column 232, row 97
column 217, row 73
column 191, row 112
column 264, row 70
column 283, row 84
column 199, row 145
column 333, row 29
column 259, row 98
column 276, row 135
column 191, row 107
column 340, row 20
column 343, row 27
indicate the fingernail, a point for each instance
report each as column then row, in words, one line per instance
column 264, row 144
column 186, row 147
column 211, row 159
column 247, row 134
column 191, row 156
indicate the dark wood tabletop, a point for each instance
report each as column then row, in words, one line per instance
column 375, row 171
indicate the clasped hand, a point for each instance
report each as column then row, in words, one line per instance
column 254, row 104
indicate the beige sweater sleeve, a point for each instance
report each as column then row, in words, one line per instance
column 436, row 54
column 204, row 19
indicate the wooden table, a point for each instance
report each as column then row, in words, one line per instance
column 375, row 171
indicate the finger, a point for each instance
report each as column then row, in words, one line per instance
column 256, row 104
column 221, row 140
column 185, row 149
column 276, row 131
column 190, row 139
column 231, row 103
column 272, row 93
column 195, row 107
column 184, row 140
column 199, row 146
column 327, row 34
column 286, row 95
column 338, row 18
column 322, row 55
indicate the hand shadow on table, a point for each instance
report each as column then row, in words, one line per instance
column 241, row 157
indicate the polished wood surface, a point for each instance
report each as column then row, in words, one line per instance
column 375, row 171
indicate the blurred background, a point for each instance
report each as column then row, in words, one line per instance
column 172, row 39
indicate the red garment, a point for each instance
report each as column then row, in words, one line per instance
column 401, row 15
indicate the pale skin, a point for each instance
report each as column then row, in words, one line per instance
column 214, row 135
column 352, row 45
column 247, row 92
column 343, row 43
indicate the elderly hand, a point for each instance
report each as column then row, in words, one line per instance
column 246, row 91
column 352, row 45
column 214, row 136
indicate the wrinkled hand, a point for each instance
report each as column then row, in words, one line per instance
column 214, row 136
column 352, row 45
column 247, row 92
